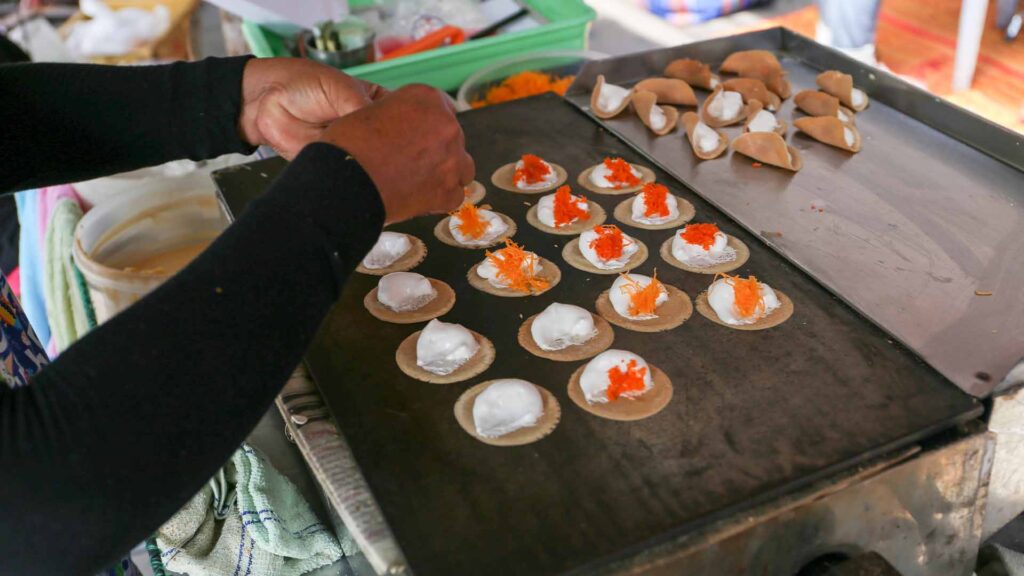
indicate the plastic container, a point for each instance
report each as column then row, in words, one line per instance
column 566, row 27
column 127, row 248
column 557, row 62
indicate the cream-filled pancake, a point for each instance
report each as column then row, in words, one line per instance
column 615, row 173
column 390, row 247
column 405, row 291
column 443, row 347
column 563, row 208
column 533, row 173
column 738, row 300
column 637, row 297
column 513, row 271
column 607, row 247
column 472, row 226
column 615, row 374
column 505, row 406
column 702, row 245
column 654, row 205
column 707, row 140
column 560, row 326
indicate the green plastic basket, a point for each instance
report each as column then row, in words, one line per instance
column 566, row 27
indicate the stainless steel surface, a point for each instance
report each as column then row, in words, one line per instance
column 921, row 513
column 905, row 231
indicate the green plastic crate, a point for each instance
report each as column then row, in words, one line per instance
column 566, row 27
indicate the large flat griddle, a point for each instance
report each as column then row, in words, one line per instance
column 929, row 212
column 755, row 414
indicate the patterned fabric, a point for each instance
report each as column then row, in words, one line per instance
column 21, row 354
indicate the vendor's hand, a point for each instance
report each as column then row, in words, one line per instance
column 413, row 149
column 288, row 102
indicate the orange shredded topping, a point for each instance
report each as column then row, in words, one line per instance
column 609, row 242
column 643, row 300
column 748, row 300
column 621, row 173
column 655, row 200
column 523, row 84
column 532, row 171
column 702, row 235
column 629, row 380
column 515, row 267
column 567, row 208
column 470, row 222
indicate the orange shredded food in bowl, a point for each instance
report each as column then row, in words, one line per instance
column 471, row 224
column 522, row 85
column 643, row 300
column 515, row 267
column 748, row 301
column 655, row 200
column 621, row 173
column 533, row 170
column 566, row 207
column 622, row 381
column 702, row 235
column 609, row 242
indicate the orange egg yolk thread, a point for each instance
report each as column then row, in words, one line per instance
column 643, row 300
column 566, row 207
column 515, row 267
column 622, row 381
column 470, row 223
column 621, row 173
column 523, row 84
column 748, row 301
column 532, row 171
column 609, row 242
column 655, row 200
column 702, row 235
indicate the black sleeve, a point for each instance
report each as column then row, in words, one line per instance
column 127, row 424
column 71, row 122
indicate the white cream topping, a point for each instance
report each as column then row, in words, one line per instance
column 443, row 347
column 848, row 136
column 506, row 406
column 707, row 139
column 611, row 97
column 619, row 296
column 640, row 208
column 594, row 379
column 405, row 291
column 488, row 271
column 843, row 117
column 599, row 175
column 714, row 82
column 389, row 248
column 546, row 209
column 858, row 98
column 546, row 182
column 722, row 299
column 562, row 325
column 764, row 121
column 657, row 118
column 629, row 247
column 726, row 105
column 695, row 254
column 496, row 227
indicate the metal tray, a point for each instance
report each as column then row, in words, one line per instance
column 755, row 415
column 930, row 210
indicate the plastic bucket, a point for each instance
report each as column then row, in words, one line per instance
column 127, row 248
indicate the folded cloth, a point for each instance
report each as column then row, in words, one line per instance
column 68, row 305
column 686, row 12
column 248, row 520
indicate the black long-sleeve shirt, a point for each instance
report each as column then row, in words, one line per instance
column 127, row 424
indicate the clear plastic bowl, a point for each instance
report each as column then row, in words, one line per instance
column 557, row 62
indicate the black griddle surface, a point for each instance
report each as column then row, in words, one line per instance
column 755, row 414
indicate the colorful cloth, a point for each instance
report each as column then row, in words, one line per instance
column 21, row 354
column 686, row 12
column 30, row 261
column 68, row 304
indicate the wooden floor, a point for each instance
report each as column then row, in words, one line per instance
column 918, row 39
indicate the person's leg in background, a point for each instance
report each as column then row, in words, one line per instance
column 849, row 25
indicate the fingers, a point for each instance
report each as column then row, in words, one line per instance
column 467, row 169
